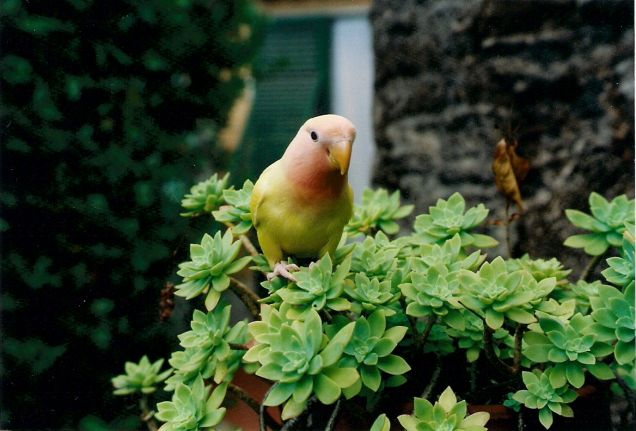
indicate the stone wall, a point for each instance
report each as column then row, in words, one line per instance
column 453, row 76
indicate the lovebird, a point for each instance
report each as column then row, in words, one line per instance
column 301, row 202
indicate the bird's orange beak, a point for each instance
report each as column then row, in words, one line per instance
column 340, row 155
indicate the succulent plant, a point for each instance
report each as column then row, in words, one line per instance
column 142, row 377
column 300, row 359
column 207, row 348
column 435, row 293
column 581, row 292
column 446, row 414
column 205, row 196
column 570, row 346
column 191, row 409
column 370, row 351
column 378, row 211
column 368, row 295
column 606, row 224
column 438, row 341
column 447, row 218
column 495, row 293
column 540, row 268
column 375, row 256
column 540, row 394
column 237, row 213
column 471, row 338
column 316, row 288
column 613, row 314
column 211, row 264
column 448, row 254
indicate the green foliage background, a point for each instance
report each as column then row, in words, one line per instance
column 109, row 112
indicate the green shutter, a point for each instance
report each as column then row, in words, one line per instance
column 294, row 86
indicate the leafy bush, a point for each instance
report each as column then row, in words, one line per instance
column 352, row 328
column 109, row 111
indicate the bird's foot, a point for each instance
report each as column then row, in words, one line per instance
column 283, row 269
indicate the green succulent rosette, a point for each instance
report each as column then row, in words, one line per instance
column 495, row 294
column 446, row 414
column 540, row 269
column 378, row 211
column 447, row 218
column 207, row 350
column 205, row 196
column 614, row 323
column 142, row 377
column 191, row 409
column 570, row 346
column 367, row 295
column 300, row 359
column 436, row 293
column 370, row 351
column 375, row 256
column 316, row 288
column 581, row 292
column 208, row 272
column 540, row 394
column 448, row 254
column 606, row 224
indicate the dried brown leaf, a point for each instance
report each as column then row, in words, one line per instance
column 510, row 170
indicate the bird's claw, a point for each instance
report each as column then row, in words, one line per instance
column 283, row 269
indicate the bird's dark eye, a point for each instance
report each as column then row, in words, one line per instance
column 314, row 136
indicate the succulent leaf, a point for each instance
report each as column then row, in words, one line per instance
column 236, row 213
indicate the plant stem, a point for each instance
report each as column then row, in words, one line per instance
column 236, row 346
column 289, row 425
column 520, row 425
column 334, row 415
column 262, row 413
column 427, row 330
column 247, row 296
column 247, row 244
column 489, row 350
column 516, row 360
column 147, row 415
column 434, row 378
column 243, row 396
column 508, row 246
column 264, row 417
column 589, row 268
column 627, row 391
column 472, row 373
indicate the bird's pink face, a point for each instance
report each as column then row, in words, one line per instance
column 333, row 136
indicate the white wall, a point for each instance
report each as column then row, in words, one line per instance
column 352, row 91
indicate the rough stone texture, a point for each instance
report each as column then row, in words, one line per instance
column 453, row 76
